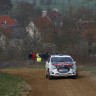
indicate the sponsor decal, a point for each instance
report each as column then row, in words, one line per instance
column 63, row 64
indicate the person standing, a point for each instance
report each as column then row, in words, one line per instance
column 33, row 57
column 39, row 59
column 30, row 56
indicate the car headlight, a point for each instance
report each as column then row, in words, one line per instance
column 73, row 67
column 53, row 67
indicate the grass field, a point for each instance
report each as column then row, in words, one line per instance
column 91, row 69
column 10, row 85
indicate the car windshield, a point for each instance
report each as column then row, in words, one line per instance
column 61, row 59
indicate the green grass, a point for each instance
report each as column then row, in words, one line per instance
column 10, row 85
column 88, row 68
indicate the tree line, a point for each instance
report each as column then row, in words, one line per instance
column 71, row 33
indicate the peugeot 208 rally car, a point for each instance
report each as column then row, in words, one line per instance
column 60, row 66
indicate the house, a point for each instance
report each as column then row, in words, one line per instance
column 43, row 22
column 54, row 14
column 8, row 26
column 7, row 21
column 38, row 24
column 48, row 19
column 51, row 20
column 57, row 20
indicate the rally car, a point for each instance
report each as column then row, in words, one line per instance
column 60, row 66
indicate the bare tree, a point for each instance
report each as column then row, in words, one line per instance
column 5, row 6
column 23, row 12
column 89, row 34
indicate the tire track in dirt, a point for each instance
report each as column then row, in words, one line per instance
column 82, row 86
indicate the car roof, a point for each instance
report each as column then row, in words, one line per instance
column 60, row 55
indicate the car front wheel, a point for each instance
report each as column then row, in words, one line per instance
column 49, row 76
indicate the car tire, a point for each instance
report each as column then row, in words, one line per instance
column 49, row 77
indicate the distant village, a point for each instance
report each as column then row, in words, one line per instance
column 25, row 28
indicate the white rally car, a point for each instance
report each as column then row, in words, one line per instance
column 60, row 66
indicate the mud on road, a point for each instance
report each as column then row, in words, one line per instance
column 41, row 86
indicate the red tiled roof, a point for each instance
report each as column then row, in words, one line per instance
column 53, row 14
column 7, row 20
column 43, row 22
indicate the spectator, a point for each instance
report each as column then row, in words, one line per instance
column 46, row 55
column 33, row 56
column 30, row 56
column 39, row 59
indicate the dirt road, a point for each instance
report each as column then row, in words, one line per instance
column 83, row 86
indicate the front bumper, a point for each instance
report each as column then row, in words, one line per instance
column 55, row 73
